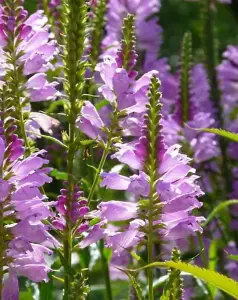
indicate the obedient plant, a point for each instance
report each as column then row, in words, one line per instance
column 25, row 239
column 131, row 197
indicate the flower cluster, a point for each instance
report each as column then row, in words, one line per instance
column 26, row 241
column 78, row 211
column 200, row 115
column 176, row 189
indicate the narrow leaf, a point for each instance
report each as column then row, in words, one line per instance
column 50, row 138
column 59, row 175
column 134, row 283
column 224, row 133
column 218, row 209
column 233, row 257
column 220, row 281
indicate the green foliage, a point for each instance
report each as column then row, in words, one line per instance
column 233, row 257
column 59, row 175
column 220, row 281
column 174, row 287
column 218, row 209
column 221, row 132
column 135, row 284
column 185, row 75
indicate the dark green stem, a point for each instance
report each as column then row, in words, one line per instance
column 210, row 45
column 105, row 268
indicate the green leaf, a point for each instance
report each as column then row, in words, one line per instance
column 101, row 104
column 220, row 281
column 50, row 138
column 26, row 295
column 233, row 257
column 224, row 133
column 134, row 255
column 94, row 221
column 59, row 175
column 54, row 105
column 134, row 283
column 86, row 142
column 218, row 209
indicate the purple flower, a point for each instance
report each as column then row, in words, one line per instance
column 22, row 200
column 89, row 121
column 122, row 89
column 227, row 74
column 177, row 190
column 148, row 31
column 200, row 115
column 79, row 210
column 38, row 48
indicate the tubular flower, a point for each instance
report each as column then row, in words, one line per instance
column 121, row 88
column 200, row 115
column 175, row 188
column 227, row 74
column 79, row 210
column 147, row 30
column 34, row 47
column 25, row 242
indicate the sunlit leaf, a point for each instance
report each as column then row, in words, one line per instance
column 220, row 281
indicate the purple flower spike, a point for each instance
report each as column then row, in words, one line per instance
column 22, row 199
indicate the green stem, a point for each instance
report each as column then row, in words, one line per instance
column 45, row 5
column 202, row 247
column 150, row 258
column 70, row 195
column 105, row 268
column 99, row 169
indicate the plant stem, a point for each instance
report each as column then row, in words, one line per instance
column 106, row 272
column 202, row 247
column 70, row 192
column 150, row 257
column 99, row 169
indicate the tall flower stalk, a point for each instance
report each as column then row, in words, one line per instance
column 152, row 120
column 74, row 23
column 26, row 51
